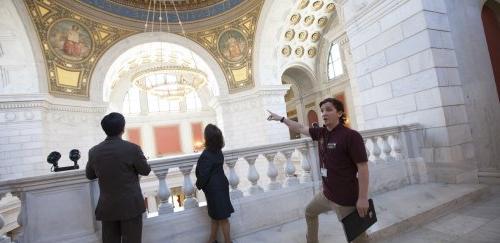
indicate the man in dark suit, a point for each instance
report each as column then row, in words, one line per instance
column 117, row 165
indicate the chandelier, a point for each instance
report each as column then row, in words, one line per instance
column 174, row 77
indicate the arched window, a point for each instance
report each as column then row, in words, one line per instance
column 335, row 68
column 193, row 102
column 131, row 103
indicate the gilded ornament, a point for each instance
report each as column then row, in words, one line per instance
column 303, row 4
column 317, row 5
column 289, row 34
column 309, row 20
column 299, row 51
column 330, row 7
column 286, row 51
column 295, row 18
column 311, row 52
column 315, row 36
column 322, row 21
column 303, row 35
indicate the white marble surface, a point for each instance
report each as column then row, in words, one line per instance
column 397, row 211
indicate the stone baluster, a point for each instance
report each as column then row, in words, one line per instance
column 375, row 150
column 306, row 165
column 272, row 172
column 3, row 238
column 18, row 233
column 396, row 146
column 189, row 192
column 163, row 193
column 365, row 141
column 253, row 175
column 291, row 179
column 234, row 180
column 386, row 148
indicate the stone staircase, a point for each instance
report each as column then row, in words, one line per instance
column 398, row 211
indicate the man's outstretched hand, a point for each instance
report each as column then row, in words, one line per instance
column 273, row 116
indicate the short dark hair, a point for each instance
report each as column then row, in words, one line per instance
column 113, row 124
column 213, row 138
column 338, row 106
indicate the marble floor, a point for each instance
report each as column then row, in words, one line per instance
column 475, row 222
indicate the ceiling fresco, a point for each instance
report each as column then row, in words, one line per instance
column 73, row 42
column 168, row 4
column 187, row 10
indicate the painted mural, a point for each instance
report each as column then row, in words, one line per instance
column 70, row 40
column 232, row 45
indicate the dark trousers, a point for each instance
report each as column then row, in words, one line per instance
column 122, row 231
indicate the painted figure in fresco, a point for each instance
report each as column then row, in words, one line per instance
column 72, row 45
column 344, row 167
column 233, row 46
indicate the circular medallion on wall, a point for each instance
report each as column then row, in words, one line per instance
column 70, row 40
column 295, row 18
column 232, row 45
column 322, row 21
column 317, row 5
column 289, row 34
column 309, row 20
column 299, row 51
column 330, row 7
column 311, row 52
column 315, row 36
column 303, row 4
column 286, row 50
column 303, row 35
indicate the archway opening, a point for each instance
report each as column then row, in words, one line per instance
column 163, row 89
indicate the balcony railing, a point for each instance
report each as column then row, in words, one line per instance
column 269, row 185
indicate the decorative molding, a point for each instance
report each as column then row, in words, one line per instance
column 1, row 50
column 49, row 106
column 4, row 77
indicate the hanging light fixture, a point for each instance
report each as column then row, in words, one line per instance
column 171, row 77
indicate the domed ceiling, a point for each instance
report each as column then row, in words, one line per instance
column 187, row 11
column 169, row 5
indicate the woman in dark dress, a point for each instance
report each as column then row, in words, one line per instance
column 212, row 180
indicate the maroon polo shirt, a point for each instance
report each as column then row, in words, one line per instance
column 339, row 151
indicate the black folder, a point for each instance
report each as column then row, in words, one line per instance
column 354, row 225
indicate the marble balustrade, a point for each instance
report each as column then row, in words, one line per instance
column 261, row 178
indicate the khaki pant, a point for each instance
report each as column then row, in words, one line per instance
column 321, row 204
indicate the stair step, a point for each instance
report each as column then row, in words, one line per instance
column 397, row 211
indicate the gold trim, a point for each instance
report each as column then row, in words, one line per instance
column 289, row 34
column 317, row 5
column 299, row 51
column 294, row 19
column 286, row 50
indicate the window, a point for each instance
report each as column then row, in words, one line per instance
column 334, row 62
column 156, row 104
column 131, row 103
column 193, row 102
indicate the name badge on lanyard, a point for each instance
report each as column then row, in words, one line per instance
column 324, row 172
column 331, row 145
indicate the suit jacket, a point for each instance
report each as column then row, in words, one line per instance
column 117, row 165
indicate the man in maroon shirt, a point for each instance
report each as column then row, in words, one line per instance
column 343, row 165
